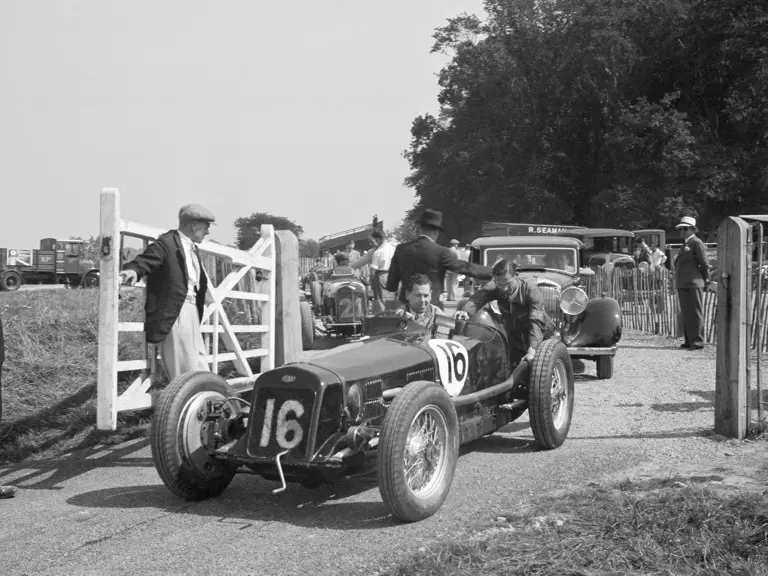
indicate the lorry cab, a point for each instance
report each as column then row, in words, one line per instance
column 69, row 254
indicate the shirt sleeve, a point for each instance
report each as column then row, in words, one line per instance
column 701, row 257
column 536, row 315
column 363, row 260
column 147, row 262
column 480, row 298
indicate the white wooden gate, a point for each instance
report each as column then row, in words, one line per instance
column 215, row 322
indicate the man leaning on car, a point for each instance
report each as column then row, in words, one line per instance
column 522, row 307
column 424, row 255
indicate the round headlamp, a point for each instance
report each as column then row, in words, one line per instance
column 573, row 301
column 354, row 401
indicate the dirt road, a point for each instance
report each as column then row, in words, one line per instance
column 105, row 511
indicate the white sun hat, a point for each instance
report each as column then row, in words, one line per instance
column 688, row 221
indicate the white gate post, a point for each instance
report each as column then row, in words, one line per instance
column 109, row 286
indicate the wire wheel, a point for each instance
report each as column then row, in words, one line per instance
column 426, row 452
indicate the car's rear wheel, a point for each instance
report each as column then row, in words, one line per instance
column 91, row 280
column 550, row 394
column 604, row 367
column 317, row 296
column 307, row 325
column 418, row 451
column 11, row 280
column 178, row 422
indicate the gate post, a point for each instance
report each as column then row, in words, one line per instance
column 288, row 342
column 733, row 337
column 109, row 268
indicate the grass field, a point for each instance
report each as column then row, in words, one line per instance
column 668, row 526
column 49, row 375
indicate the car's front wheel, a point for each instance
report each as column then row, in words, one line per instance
column 550, row 394
column 176, row 437
column 418, row 451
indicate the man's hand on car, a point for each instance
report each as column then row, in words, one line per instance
column 128, row 277
column 461, row 315
column 529, row 356
column 404, row 314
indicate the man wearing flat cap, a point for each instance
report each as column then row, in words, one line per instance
column 424, row 255
column 691, row 273
column 176, row 289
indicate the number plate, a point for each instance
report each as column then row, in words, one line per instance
column 280, row 420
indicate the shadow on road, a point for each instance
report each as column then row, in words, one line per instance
column 49, row 474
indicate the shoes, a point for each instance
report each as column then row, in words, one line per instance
column 696, row 347
column 7, row 492
column 685, row 345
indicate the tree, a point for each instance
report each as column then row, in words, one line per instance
column 248, row 228
column 309, row 248
column 405, row 231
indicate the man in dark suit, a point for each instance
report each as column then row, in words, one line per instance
column 424, row 255
column 5, row 491
column 691, row 273
column 176, row 291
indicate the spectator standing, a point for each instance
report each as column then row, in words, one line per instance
column 643, row 252
column 5, row 491
column 351, row 252
column 177, row 286
column 657, row 256
column 424, row 255
column 452, row 278
column 691, row 273
column 380, row 260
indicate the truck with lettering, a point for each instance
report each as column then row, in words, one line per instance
column 523, row 229
column 55, row 262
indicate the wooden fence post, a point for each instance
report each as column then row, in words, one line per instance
column 109, row 286
column 288, row 342
column 733, row 337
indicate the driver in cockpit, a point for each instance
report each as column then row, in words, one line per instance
column 419, row 307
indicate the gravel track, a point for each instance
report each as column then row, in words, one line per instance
column 105, row 511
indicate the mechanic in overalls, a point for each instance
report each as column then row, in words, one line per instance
column 522, row 308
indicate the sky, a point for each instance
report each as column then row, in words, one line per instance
column 297, row 108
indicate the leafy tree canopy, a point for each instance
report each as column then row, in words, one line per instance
column 621, row 113
column 248, row 228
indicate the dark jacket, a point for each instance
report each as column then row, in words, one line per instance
column 692, row 264
column 165, row 269
column 523, row 311
column 425, row 256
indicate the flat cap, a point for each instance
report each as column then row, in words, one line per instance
column 195, row 212
column 454, row 242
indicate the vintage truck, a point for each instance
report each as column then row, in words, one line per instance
column 55, row 262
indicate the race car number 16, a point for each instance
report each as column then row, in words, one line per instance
column 452, row 364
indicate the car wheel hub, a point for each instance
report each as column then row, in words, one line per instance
column 559, row 394
column 192, row 431
column 426, row 449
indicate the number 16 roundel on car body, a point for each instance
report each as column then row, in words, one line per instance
column 452, row 364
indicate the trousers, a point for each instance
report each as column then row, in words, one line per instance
column 183, row 350
column 693, row 315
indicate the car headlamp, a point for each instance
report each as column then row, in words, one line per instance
column 354, row 401
column 573, row 301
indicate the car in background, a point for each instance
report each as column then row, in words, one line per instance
column 603, row 245
column 589, row 327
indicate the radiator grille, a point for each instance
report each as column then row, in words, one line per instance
column 551, row 300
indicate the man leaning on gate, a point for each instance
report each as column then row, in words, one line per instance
column 177, row 286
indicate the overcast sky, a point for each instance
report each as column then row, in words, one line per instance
column 297, row 108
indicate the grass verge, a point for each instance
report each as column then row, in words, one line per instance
column 49, row 374
column 671, row 526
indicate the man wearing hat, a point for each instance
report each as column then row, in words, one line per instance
column 176, row 289
column 424, row 255
column 691, row 273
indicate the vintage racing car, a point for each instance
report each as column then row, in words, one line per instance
column 341, row 301
column 590, row 328
column 405, row 395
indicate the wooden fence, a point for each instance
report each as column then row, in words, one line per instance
column 649, row 303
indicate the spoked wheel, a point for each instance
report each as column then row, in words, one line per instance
column 418, row 451
column 91, row 280
column 11, row 280
column 177, row 432
column 550, row 394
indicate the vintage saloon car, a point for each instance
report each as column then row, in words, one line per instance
column 406, row 396
column 590, row 328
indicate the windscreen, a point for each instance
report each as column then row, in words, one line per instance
column 555, row 258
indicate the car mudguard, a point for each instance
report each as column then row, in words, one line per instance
column 599, row 325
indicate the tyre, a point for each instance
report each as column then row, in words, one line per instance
column 317, row 295
column 11, row 280
column 180, row 458
column 418, row 451
column 604, row 367
column 91, row 280
column 550, row 394
column 307, row 326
